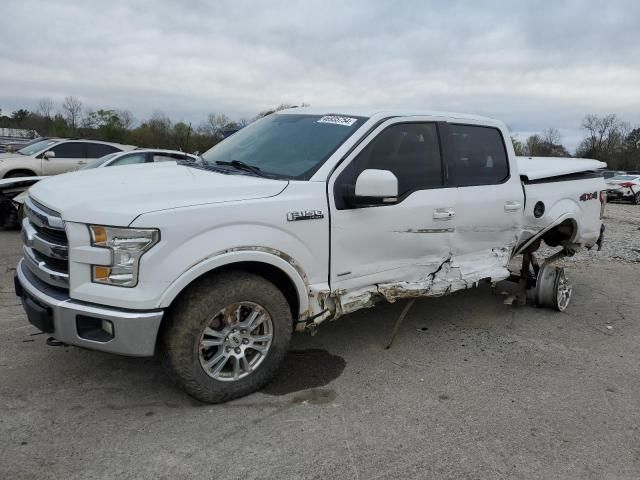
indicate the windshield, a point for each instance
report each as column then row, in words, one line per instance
column 624, row 177
column 96, row 162
column 286, row 145
column 37, row 147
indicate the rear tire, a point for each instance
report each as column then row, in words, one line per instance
column 214, row 319
column 636, row 198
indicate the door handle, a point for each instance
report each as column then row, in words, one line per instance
column 444, row 213
column 511, row 206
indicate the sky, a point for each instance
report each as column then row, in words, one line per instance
column 533, row 64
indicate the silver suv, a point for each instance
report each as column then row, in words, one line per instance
column 53, row 156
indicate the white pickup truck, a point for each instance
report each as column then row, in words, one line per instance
column 303, row 216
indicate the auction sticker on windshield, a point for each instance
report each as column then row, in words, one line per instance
column 338, row 120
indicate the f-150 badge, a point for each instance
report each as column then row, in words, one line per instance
column 304, row 215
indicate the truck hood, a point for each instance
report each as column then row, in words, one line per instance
column 117, row 195
column 536, row 168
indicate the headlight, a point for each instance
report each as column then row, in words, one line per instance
column 127, row 245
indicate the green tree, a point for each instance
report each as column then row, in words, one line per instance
column 19, row 117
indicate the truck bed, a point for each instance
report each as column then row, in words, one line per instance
column 537, row 168
column 561, row 190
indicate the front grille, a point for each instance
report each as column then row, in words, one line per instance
column 46, row 249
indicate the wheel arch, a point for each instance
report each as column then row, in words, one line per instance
column 566, row 223
column 28, row 172
column 274, row 266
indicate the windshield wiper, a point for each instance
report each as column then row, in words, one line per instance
column 242, row 166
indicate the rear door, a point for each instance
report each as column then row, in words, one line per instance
column 490, row 199
column 98, row 150
column 68, row 157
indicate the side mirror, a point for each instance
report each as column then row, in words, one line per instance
column 49, row 154
column 377, row 184
column 374, row 187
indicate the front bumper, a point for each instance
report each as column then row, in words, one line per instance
column 131, row 332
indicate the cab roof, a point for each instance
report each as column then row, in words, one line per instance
column 377, row 113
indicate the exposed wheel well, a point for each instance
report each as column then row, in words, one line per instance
column 270, row 273
column 561, row 234
column 19, row 172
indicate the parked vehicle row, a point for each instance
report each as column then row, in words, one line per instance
column 13, row 190
column 624, row 187
column 53, row 156
column 301, row 217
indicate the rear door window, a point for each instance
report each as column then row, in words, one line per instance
column 478, row 156
column 70, row 150
column 168, row 156
column 97, row 150
column 130, row 159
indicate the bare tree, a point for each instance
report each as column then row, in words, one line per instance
column 126, row 118
column 605, row 136
column 214, row 125
column 551, row 136
column 45, row 107
column 72, row 107
column 88, row 119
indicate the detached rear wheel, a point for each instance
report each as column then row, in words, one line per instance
column 227, row 336
column 553, row 288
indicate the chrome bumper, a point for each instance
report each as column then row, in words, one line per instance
column 133, row 332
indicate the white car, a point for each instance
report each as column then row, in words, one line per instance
column 303, row 216
column 137, row 156
column 624, row 187
column 53, row 156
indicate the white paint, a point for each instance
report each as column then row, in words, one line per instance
column 376, row 183
column 431, row 243
column 535, row 168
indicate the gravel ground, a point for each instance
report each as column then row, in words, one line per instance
column 621, row 241
column 471, row 389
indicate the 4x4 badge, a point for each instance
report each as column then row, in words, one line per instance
column 304, row 215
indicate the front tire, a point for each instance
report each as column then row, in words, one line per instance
column 227, row 335
column 20, row 174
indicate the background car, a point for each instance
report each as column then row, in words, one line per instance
column 612, row 173
column 13, row 191
column 137, row 156
column 624, row 187
column 55, row 155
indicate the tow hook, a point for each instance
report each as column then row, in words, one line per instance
column 52, row 342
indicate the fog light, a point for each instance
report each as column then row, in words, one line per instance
column 94, row 329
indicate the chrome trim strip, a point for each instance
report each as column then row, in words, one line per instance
column 41, row 270
column 41, row 217
column 31, row 238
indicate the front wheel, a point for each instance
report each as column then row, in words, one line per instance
column 227, row 336
column 636, row 198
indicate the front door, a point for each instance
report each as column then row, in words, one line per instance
column 375, row 247
column 69, row 156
